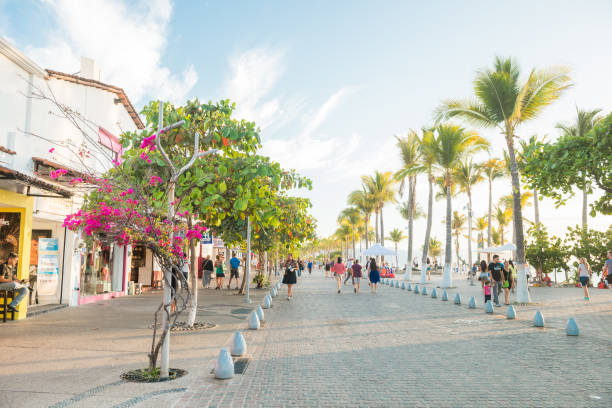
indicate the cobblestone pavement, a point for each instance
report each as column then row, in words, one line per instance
column 396, row 348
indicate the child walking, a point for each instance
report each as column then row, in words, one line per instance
column 486, row 288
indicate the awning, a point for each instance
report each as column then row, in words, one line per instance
column 378, row 250
column 32, row 181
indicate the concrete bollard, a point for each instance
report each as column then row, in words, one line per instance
column 224, row 368
column 403, row 285
column 278, row 285
column 424, row 291
column 267, row 302
column 260, row 313
column 253, row 321
column 538, row 319
column 457, row 299
column 444, row 296
column 511, row 313
column 397, row 285
column 273, row 291
column 239, row 346
column 410, row 287
column 434, row 293
column 572, row 327
column 416, row 289
column 489, row 307
column 472, row 303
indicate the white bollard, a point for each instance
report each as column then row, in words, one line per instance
column 457, row 299
column 224, row 368
column 572, row 327
column 260, row 313
column 267, row 302
column 472, row 303
column 511, row 313
column 253, row 321
column 538, row 319
column 239, row 346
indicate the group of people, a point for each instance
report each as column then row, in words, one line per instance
column 495, row 277
column 354, row 271
column 208, row 267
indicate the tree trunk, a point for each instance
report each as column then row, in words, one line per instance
column 490, row 220
column 447, row 279
column 536, row 209
column 396, row 259
column 411, row 187
column 427, row 230
column 382, row 234
column 585, row 204
column 367, row 242
column 470, row 263
column 377, row 235
column 353, row 242
column 501, row 234
column 193, row 277
column 522, row 292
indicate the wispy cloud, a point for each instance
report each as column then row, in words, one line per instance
column 324, row 111
column 126, row 40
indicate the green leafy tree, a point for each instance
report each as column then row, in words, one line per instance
column 591, row 244
column 467, row 175
column 504, row 102
column 480, row 226
column 545, row 253
column 361, row 200
column 381, row 189
column 492, row 169
column 351, row 216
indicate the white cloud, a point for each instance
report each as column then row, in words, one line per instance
column 126, row 41
column 330, row 104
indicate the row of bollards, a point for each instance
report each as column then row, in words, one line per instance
column 571, row 328
column 224, row 367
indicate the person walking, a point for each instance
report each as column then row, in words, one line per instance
column 300, row 267
column 507, row 283
column 584, row 274
column 338, row 270
column 496, row 270
column 513, row 275
column 327, row 268
column 234, row 272
column 207, row 271
column 607, row 270
column 310, row 267
column 374, row 275
column 428, row 269
column 486, row 288
column 290, row 276
column 356, row 268
column 349, row 271
column 219, row 274
column 8, row 281
column 484, row 275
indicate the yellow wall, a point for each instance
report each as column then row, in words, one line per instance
column 13, row 202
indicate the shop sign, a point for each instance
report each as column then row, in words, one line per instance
column 218, row 243
column 206, row 240
column 48, row 266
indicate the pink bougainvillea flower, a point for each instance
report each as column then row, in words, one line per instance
column 51, row 150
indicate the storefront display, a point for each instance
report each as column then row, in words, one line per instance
column 97, row 268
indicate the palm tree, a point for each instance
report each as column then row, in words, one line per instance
column 381, row 188
column 503, row 102
column 527, row 148
column 481, row 225
column 507, row 203
column 458, row 228
column 428, row 160
column 343, row 233
column 466, row 176
column 362, row 200
column 396, row 236
column 502, row 216
column 495, row 236
column 350, row 215
column 452, row 144
column 435, row 247
column 492, row 169
column 411, row 166
column 585, row 121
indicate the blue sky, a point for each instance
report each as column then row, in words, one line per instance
column 330, row 82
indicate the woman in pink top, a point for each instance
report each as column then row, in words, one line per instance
column 338, row 270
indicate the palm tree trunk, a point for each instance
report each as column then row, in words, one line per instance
column 469, row 194
column 447, row 279
column 490, row 221
column 382, row 233
column 585, row 203
column 411, row 187
column 377, row 235
column 367, row 221
column 427, row 230
column 536, row 209
column 396, row 260
column 522, row 292
column 501, row 234
column 353, row 242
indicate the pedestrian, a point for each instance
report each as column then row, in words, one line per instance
column 607, row 270
column 356, row 268
column 484, row 275
column 496, row 269
column 185, row 271
column 507, row 283
column 310, row 267
column 9, row 281
column 290, row 276
column 327, row 268
column 374, row 275
column 486, row 288
column 338, row 270
column 300, row 267
column 234, row 272
column 584, row 274
column 349, row 271
column 513, row 275
column 428, row 269
column 219, row 275
column 207, row 271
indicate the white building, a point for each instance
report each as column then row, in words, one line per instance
column 33, row 205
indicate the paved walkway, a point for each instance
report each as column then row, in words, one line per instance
column 396, row 348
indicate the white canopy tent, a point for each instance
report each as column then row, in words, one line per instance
column 378, row 250
column 504, row 248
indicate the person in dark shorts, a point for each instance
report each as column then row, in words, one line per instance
column 234, row 265
column 356, row 275
column 496, row 269
column 327, row 268
column 290, row 277
column 607, row 270
column 584, row 274
column 309, row 267
column 374, row 275
column 219, row 274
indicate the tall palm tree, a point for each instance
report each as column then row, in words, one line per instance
column 504, row 102
column 467, row 176
column 481, row 225
column 452, row 145
column 585, row 121
column 428, row 160
column 350, row 215
column 396, row 235
column 526, row 148
column 362, row 200
column 381, row 188
column 411, row 166
column 434, row 248
column 458, row 228
column 502, row 216
column 492, row 169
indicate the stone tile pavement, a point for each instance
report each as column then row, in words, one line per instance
column 396, row 349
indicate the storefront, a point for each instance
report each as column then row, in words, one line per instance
column 144, row 268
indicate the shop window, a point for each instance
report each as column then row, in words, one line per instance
column 96, row 268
